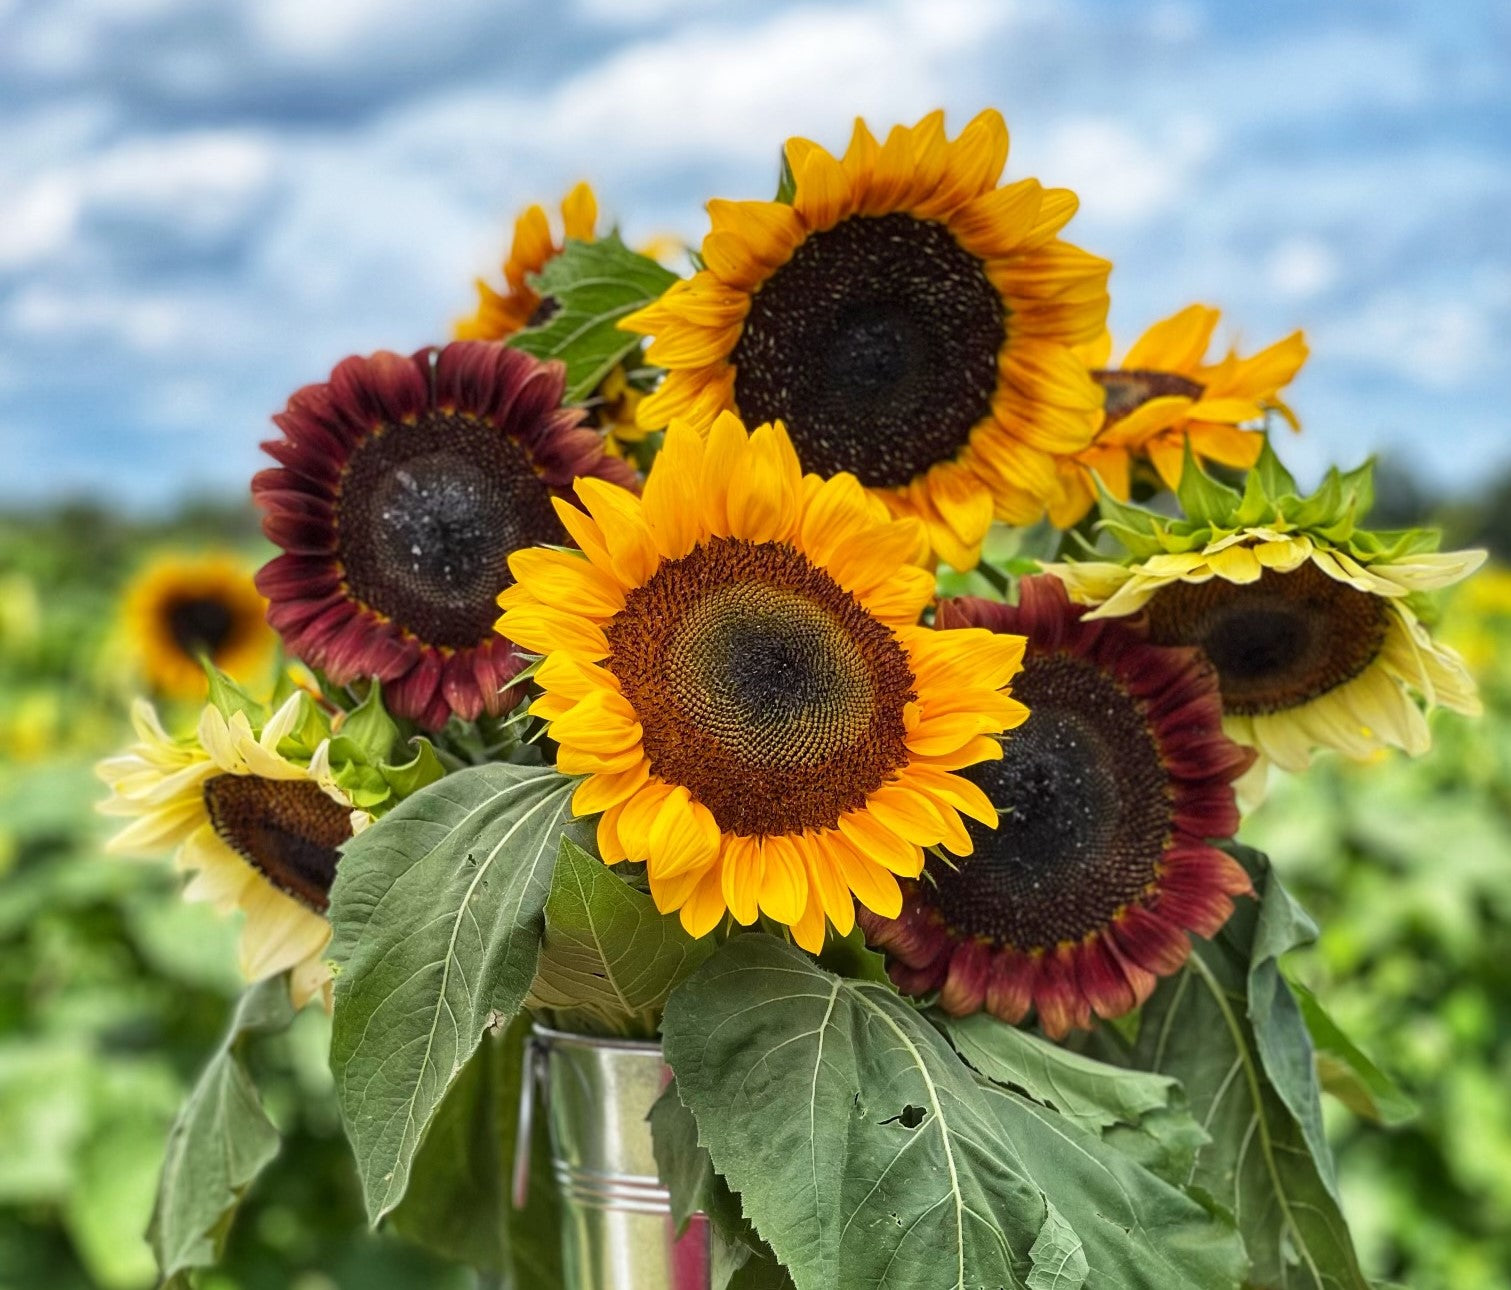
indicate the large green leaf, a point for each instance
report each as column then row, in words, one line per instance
column 459, row 1200
column 1134, row 1231
column 437, row 916
column 610, row 958
column 1230, row 1030
column 220, row 1141
column 867, row 1154
column 1141, row 1113
column 594, row 286
column 862, row 1149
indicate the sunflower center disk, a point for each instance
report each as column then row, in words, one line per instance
column 1085, row 812
column 200, row 624
column 1276, row 643
column 287, row 829
column 877, row 344
column 762, row 686
column 427, row 517
column 1129, row 389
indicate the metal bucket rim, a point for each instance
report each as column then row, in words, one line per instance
column 570, row 1038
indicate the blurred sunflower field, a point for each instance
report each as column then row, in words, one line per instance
column 113, row 990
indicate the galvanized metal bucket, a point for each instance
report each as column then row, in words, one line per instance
column 617, row 1231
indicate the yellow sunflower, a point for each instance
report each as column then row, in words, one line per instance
column 734, row 662
column 500, row 314
column 181, row 607
column 258, row 830
column 908, row 320
column 1310, row 621
column 1165, row 395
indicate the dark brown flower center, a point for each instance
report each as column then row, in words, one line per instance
column 427, row 516
column 1276, row 643
column 1130, row 389
column 1086, row 811
column 200, row 624
column 287, row 829
column 762, row 686
column 877, row 344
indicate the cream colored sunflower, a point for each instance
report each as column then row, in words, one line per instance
column 258, row 831
column 1311, row 622
column 735, row 664
column 905, row 317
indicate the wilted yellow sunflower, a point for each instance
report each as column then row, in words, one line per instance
column 500, row 314
column 734, row 661
column 908, row 320
column 258, row 831
column 1165, row 395
column 180, row 607
column 1310, row 621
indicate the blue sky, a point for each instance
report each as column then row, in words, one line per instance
column 206, row 203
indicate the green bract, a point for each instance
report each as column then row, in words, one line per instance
column 1270, row 500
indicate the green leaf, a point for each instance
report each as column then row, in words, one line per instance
column 610, row 958
column 687, row 1171
column 437, row 916
column 420, row 771
column 1134, row 1231
column 369, row 727
column 867, row 1154
column 1347, row 1073
column 1201, row 497
column 459, row 1199
column 1278, row 482
column 1229, row 1029
column 230, row 698
column 786, row 187
column 1142, row 1114
column 220, row 1141
column 862, row 1150
column 595, row 286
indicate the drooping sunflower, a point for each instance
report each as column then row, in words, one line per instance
column 258, row 830
column 908, row 320
column 735, row 664
column 181, row 608
column 500, row 314
column 1165, row 395
column 1312, row 622
column 1102, row 864
column 405, row 484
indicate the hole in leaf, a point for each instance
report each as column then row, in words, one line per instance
column 910, row 1117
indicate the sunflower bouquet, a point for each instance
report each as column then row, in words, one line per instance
column 826, row 680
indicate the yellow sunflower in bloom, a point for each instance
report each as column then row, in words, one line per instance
column 906, row 318
column 179, row 608
column 259, row 831
column 1165, row 395
column 500, row 314
column 735, row 663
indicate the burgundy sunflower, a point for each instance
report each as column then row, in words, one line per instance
column 404, row 486
column 1102, row 864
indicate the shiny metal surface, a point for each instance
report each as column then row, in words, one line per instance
column 616, row 1225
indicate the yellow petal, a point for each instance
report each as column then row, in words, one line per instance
column 684, row 836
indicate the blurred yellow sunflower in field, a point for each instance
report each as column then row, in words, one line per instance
column 258, row 830
column 1165, row 395
column 909, row 321
column 182, row 607
column 735, row 663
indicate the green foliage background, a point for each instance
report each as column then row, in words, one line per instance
column 113, row 992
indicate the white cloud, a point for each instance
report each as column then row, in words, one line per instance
column 1302, row 267
column 1123, row 175
column 1436, row 343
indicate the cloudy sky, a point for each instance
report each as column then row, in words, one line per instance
column 206, row 203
